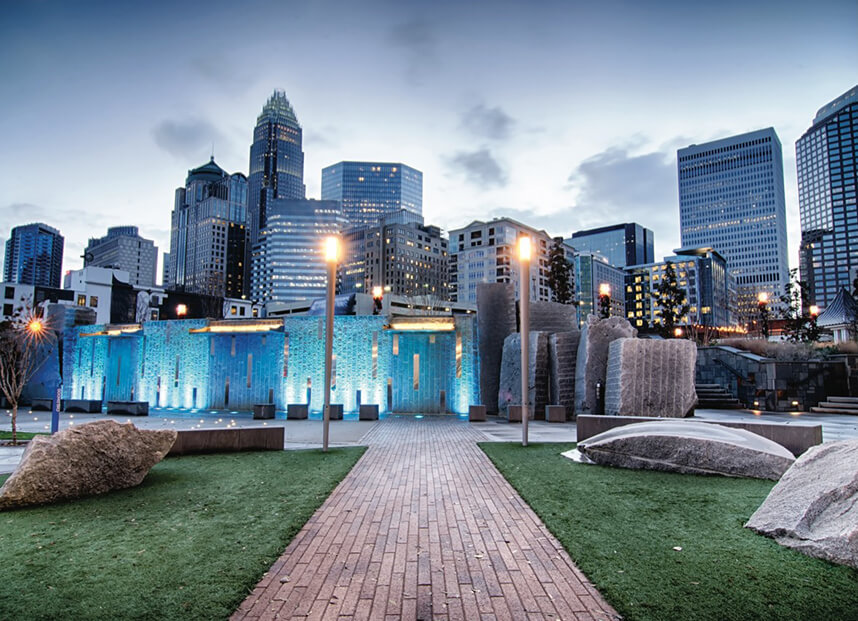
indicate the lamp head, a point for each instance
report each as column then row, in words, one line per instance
column 524, row 248
column 604, row 289
column 332, row 248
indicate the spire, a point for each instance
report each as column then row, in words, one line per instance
column 278, row 109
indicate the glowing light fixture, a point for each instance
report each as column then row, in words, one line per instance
column 524, row 248
column 332, row 248
column 814, row 310
column 763, row 297
column 604, row 289
column 415, row 324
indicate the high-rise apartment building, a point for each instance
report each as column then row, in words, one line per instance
column 288, row 262
column 592, row 272
column 826, row 161
column 621, row 244
column 123, row 249
column 731, row 199
column 487, row 252
column 34, row 255
column 369, row 191
column 208, row 238
column 276, row 160
column 399, row 254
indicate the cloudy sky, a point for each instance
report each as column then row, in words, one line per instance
column 563, row 114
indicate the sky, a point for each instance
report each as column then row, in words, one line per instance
column 564, row 115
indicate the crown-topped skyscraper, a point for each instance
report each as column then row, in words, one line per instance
column 276, row 160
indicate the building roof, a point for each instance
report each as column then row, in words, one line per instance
column 843, row 310
column 207, row 172
column 278, row 108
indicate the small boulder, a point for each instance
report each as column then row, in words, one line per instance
column 689, row 447
column 814, row 507
column 82, row 461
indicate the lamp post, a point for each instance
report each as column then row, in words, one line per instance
column 524, row 297
column 37, row 330
column 763, row 305
column 604, row 300
column 331, row 252
column 377, row 295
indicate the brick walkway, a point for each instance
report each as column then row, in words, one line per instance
column 424, row 527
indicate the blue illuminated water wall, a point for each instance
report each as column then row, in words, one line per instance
column 168, row 365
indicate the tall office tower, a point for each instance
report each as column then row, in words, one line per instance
column 369, row 191
column 826, row 157
column 276, row 160
column 731, row 199
column 34, row 255
column 399, row 254
column 288, row 262
column 621, row 244
column 123, row 249
column 208, row 239
column 592, row 271
column 487, row 252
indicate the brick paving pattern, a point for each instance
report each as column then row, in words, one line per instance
column 424, row 527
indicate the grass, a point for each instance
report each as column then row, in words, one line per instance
column 621, row 526
column 22, row 435
column 190, row 542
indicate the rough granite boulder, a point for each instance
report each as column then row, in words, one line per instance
column 553, row 317
column 689, row 447
column 651, row 378
column 82, row 461
column 495, row 321
column 814, row 507
column 562, row 356
column 509, row 392
column 592, row 363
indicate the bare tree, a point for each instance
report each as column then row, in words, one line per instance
column 21, row 356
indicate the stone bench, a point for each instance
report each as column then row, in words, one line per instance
column 90, row 406
column 263, row 411
column 795, row 438
column 476, row 413
column 42, row 404
column 514, row 413
column 368, row 412
column 132, row 408
column 297, row 411
column 228, row 440
column 555, row 413
column 336, row 411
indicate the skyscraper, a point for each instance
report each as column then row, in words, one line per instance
column 621, row 244
column 288, row 263
column 123, row 249
column 826, row 157
column 276, row 160
column 731, row 199
column 208, row 238
column 369, row 191
column 34, row 255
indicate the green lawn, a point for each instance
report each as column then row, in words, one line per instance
column 621, row 527
column 22, row 435
column 190, row 542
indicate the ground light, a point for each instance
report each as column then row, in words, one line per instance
column 524, row 297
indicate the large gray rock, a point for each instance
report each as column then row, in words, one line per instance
column 689, row 447
column 553, row 317
column 648, row 377
column 814, row 507
column 509, row 392
column 562, row 356
column 495, row 321
column 83, row 461
column 592, row 363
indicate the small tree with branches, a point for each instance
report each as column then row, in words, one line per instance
column 672, row 300
column 21, row 356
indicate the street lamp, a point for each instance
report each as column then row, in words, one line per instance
column 331, row 256
column 37, row 330
column 524, row 286
column 763, row 305
column 604, row 300
column 677, row 332
column 377, row 295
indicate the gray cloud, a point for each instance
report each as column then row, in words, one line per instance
column 491, row 123
column 326, row 137
column 216, row 68
column 479, row 168
column 418, row 39
column 190, row 138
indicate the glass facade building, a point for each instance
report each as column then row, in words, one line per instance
column 826, row 160
column 276, row 160
column 123, row 249
column 621, row 244
column 369, row 191
column 34, row 255
column 208, row 236
column 731, row 199
column 288, row 261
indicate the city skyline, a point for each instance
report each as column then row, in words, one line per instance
column 564, row 116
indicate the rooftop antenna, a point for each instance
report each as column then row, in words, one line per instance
column 213, row 151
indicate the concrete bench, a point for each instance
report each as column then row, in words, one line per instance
column 297, row 411
column 336, row 411
column 90, row 406
column 42, row 404
column 476, row 413
column 795, row 438
column 368, row 412
column 132, row 408
column 555, row 413
column 228, row 440
column 514, row 415
column 263, row 411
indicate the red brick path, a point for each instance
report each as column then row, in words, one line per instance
column 424, row 527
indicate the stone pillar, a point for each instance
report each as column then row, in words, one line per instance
column 495, row 321
column 510, row 376
column 592, row 362
column 562, row 357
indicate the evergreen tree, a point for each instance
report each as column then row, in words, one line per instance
column 672, row 300
column 799, row 325
column 560, row 278
column 855, row 287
